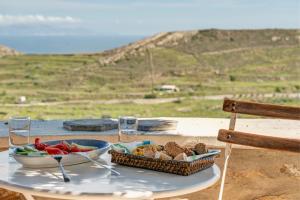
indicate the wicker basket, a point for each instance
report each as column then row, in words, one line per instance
column 183, row 168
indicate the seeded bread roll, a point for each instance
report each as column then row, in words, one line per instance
column 160, row 147
column 161, row 155
column 188, row 152
column 181, row 157
column 150, row 150
column 173, row 149
column 200, row 148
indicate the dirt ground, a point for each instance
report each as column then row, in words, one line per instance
column 252, row 175
column 256, row 175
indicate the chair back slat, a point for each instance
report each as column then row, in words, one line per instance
column 261, row 109
column 258, row 140
column 262, row 141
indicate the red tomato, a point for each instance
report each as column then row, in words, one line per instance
column 75, row 149
column 39, row 146
column 55, row 151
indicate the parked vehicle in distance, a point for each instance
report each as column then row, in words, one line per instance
column 168, row 88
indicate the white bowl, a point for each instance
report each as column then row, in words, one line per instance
column 69, row 159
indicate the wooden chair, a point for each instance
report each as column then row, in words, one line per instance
column 251, row 139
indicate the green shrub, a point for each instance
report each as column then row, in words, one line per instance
column 3, row 113
column 191, row 93
column 3, row 93
column 27, row 76
column 297, row 87
column 177, row 101
column 150, row 96
column 232, row 78
column 279, row 89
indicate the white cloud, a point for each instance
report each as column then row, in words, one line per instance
column 6, row 20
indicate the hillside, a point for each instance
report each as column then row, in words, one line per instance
column 6, row 51
column 206, row 41
column 211, row 61
column 204, row 62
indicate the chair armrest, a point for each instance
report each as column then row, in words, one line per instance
column 261, row 141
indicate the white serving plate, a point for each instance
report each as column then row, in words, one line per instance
column 48, row 161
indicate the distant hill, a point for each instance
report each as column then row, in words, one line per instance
column 202, row 62
column 206, row 41
column 6, row 51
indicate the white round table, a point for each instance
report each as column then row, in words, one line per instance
column 89, row 181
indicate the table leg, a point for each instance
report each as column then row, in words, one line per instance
column 28, row 196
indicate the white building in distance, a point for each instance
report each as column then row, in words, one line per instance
column 168, row 88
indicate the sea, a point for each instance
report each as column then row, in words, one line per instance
column 66, row 44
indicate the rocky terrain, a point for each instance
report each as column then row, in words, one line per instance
column 139, row 47
column 212, row 41
column 6, row 51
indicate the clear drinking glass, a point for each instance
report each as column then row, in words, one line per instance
column 128, row 128
column 18, row 132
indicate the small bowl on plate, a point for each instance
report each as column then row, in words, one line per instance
column 47, row 161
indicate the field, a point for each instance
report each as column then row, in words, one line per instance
column 182, row 108
column 206, row 63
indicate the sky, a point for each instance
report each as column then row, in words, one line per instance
column 142, row 17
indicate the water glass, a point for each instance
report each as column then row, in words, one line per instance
column 128, row 128
column 18, row 132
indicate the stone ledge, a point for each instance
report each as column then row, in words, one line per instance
column 188, row 130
